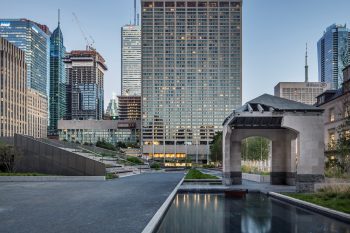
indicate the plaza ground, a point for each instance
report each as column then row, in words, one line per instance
column 120, row 205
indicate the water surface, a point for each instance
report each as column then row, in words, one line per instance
column 256, row 213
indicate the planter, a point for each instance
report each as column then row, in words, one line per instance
column 256, row 177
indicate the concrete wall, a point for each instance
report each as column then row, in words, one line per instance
column 37, row 156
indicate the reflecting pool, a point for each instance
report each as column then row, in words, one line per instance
column 256, row 213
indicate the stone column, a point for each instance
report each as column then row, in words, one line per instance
column 231, row 158
column 278, row 166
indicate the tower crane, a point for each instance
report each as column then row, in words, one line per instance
column 89, row 42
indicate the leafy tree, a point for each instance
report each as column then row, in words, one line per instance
column 8, row 157
column 105, row 145
column 216, row 147
column 338, row 152
column 255, row 148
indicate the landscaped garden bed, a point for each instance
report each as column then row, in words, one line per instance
column 194, row 174
column 333, row 197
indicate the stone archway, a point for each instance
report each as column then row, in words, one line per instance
column 293, row 128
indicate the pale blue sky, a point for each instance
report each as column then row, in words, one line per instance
column 274, row 34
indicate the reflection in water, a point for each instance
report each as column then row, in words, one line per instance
column 256, row 213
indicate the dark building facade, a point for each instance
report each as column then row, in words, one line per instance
column 85, row 75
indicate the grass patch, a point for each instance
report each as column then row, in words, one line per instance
column 333, row 197
column 22, row 174
column 195, row 174
column 110, row 176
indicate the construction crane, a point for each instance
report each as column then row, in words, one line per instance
column 89, row 43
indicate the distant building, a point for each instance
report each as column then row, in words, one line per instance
column 191, row 74
column 85, row 91
column 34, row 40
column 91, row 131
column 336, row 104
column 333, row 54
column 129, row 107
column 112, row 108
column 131, row 60
column 303, row 92
column 57, row 95
column 13, row 89
column 37, row 114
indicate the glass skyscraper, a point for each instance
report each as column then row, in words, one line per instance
column 57, row 98
column 34, row 40
column 131, row 60
column 333, row 55
column 191, row 74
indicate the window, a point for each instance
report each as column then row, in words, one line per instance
column 331, row 115
column 331, row 139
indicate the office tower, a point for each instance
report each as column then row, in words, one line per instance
column 57, row 97
column 303, row 92
column 131, row 60
column 129, row 107
column 191, row 74
column 112, row 108
column 85, row 74
column 37, row 113
column 333, row 54
column 34, row 40
column 13, row 78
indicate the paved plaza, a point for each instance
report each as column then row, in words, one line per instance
column 121, row 205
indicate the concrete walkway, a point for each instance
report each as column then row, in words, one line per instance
column 120, row 205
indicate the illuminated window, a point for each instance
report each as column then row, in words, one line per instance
column 331, row 115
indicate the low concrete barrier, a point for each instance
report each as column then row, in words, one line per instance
column 256, row 178
column 50, row 178
column 307, row 205
column 158, row 217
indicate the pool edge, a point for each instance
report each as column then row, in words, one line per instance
column 156, row 220
column 344, row 217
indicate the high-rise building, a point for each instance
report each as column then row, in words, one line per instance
column 191, row 73
column 37, row 113
column 112, row 108
column 85, row 74
column 34, row 40
column 13, row 77
column 129, row 107
column 57, row 97
column 131, row 60
column 303, row 92
column 333, row 54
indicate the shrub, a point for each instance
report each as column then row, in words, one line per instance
column 135, row 160
column 208, row 166
column 111, row 176
column 105, row 145
column 155, row 166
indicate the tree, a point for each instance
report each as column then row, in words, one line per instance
column 255, row 148
column 338, row 152
column 216, row 147
column 8, row 157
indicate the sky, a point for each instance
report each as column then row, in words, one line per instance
column 275, row 33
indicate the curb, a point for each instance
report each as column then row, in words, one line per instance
column 154, row 223
column 310, row 206
column 50, row 178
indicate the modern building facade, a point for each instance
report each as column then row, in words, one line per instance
column 191, row 73
column 91, row 131
column 13, row 88
column 131, row 60
column 37, row 113
column 129, row 107
column 333, row 55
column 303, row 92
column 85, row 91
column 336, row 104
column 34, row 40
column 57, row 95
